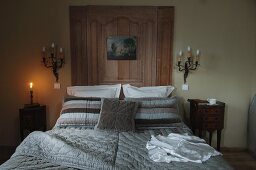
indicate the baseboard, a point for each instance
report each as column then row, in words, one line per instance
column 253, row 154
column 233, row 149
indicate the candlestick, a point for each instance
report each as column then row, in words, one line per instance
column 197, row 52
column 31, row 92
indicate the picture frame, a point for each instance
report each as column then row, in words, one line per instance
column 121, row 47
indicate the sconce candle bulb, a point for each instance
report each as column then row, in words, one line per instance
column 180, row 53
column 189, row 49
column 197, row 52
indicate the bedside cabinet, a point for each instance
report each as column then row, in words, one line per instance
column 32, row 119
column 207, row 117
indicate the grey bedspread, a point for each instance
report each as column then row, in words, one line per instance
column 78, row 148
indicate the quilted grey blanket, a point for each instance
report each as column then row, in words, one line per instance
column 78, row 148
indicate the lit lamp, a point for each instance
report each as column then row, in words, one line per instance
column 53, row 57
column 31, row 92
column 190, row 64
column 32, row 104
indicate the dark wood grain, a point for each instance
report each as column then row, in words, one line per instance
column 32, row 119
column 91, row 25
column 78, row 47
column 165, row 19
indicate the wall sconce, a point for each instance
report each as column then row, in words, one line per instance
column 53, row 57
column 190, row 64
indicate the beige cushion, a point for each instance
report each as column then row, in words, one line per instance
column 141, row 92
column 101, row 91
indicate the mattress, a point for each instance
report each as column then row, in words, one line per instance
column 80, row 148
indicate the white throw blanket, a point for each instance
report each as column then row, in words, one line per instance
column 180, row 148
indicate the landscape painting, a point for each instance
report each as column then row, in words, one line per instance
column 121, row 48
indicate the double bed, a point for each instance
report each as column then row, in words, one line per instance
column 79, row 148
column 75, row 143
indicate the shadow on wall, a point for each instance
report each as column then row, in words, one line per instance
column 184, row 110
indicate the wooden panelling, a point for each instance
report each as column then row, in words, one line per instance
column 164, row 45
column 79, row 60
column 91, row 25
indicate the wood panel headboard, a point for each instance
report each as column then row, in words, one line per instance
column 91, row 25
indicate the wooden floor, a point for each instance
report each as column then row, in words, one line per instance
column 239, row 160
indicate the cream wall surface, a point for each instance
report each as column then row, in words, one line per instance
column 254, row 80
column 254, row 72
column 224, row 30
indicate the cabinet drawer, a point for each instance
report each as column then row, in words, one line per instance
column 29, row 120
column 210, row 126
column 211, row 118
column 210, row 111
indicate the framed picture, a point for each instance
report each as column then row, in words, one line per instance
column 121, row 48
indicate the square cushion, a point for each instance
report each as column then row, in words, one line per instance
column 117, row 115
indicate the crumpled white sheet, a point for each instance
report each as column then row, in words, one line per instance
column 180, row 148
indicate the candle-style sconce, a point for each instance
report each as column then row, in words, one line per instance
column 190, row 64
column 53, row 57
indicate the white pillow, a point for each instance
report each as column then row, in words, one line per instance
column 152, row 91
column 101, row 91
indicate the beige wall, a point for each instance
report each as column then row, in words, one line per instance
column 223, row 29
column 253, row 92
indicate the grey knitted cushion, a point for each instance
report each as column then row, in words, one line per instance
column 117, row 115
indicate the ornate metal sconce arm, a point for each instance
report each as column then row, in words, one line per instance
column 52, row 57
column 189, row 64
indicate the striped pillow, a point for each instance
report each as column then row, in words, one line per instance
column 79, row 111
column 156, row 112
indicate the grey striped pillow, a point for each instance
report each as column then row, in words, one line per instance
column 156, row 112
column 79, row 111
